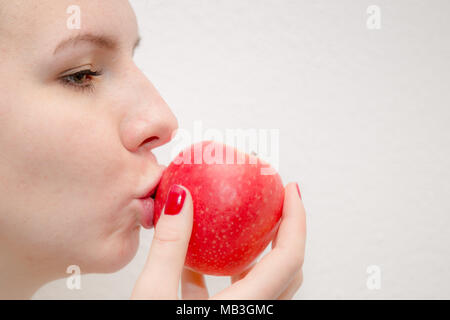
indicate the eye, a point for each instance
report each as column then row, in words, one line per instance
column 82, row 79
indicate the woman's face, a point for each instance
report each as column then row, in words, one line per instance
column 78, row 122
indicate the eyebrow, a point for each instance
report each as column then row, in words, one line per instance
column 98, row 40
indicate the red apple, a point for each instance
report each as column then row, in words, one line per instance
column 237, row 209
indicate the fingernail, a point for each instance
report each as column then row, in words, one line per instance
column 175, row 200
column 298, row 190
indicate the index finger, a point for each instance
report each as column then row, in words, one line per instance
column 292, row 229
column 271, row 276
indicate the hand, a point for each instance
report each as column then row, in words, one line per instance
column 278, row 275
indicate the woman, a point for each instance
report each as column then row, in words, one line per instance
column 78, row 123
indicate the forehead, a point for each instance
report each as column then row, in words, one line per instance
column 42, row 24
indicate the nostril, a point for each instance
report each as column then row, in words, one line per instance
column 148, row 140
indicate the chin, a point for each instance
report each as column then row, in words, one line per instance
column 114, row 254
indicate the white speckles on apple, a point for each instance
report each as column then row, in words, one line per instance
column 233, row 213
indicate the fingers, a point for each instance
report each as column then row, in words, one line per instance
column 288, row 293
column 193, row 286
column 271, row 276
column 291, row 236
column 161, row 275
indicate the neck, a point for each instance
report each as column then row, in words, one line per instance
column 19, row 279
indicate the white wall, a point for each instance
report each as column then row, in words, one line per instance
column 363, row 118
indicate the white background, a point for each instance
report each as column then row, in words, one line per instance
column 363, row 118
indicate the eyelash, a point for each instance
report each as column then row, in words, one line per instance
column 69, row 80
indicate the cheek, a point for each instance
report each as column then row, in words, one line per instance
column 63, row 172
column 66, row 154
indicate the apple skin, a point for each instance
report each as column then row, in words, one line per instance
column 237, row 210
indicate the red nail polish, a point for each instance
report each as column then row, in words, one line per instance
column 298, row 190
column 175, row 200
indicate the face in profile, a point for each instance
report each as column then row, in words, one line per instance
column 78, row 122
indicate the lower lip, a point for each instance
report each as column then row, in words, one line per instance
column 148, row 205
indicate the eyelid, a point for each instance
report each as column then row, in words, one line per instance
column 71, row 71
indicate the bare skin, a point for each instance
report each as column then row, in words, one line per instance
column 78, row 124
column 278, row 275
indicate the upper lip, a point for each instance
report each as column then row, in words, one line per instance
column 150, row 190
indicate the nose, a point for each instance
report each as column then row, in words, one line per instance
column 148, row 122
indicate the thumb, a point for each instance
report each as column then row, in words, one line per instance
column 161, row 275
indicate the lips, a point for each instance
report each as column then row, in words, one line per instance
column 147, row 203
column 150, row 190
column 150, row 193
